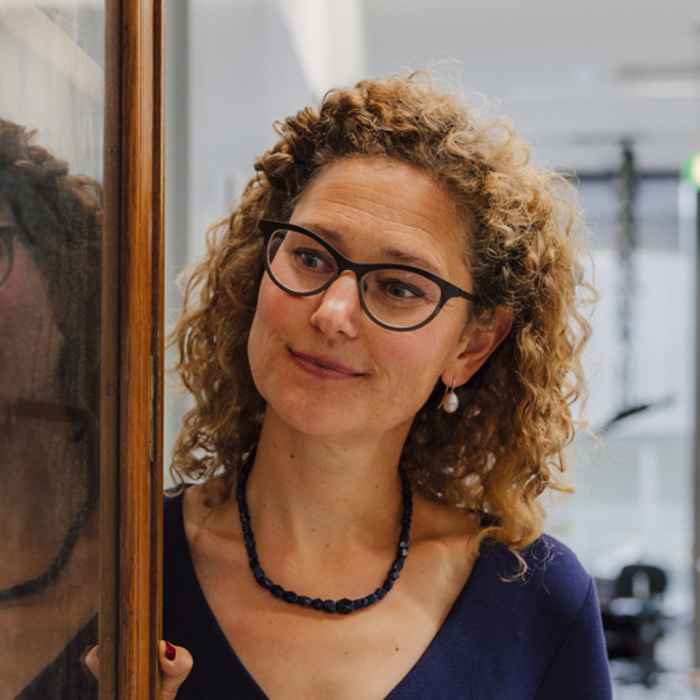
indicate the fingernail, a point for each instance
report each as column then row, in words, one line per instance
column 84, row 666
column 169, row 651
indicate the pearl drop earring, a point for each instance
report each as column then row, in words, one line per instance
column 450, row 401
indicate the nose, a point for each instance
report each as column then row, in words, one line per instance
column 339, row 310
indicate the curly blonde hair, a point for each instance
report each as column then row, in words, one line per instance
column 505, row 445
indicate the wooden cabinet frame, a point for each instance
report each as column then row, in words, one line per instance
column 132, row 353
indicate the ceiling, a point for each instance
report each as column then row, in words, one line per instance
column 574, row 78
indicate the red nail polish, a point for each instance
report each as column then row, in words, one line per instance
column 169, row 651
column 84, row 665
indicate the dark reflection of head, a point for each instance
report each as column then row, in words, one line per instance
column 57, row 219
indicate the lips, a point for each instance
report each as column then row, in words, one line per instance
column 325, row 363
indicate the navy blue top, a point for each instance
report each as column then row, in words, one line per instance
column 538, row 640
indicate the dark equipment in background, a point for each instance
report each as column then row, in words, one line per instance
column 626, row 248
column 632, row 603
column 634, row 620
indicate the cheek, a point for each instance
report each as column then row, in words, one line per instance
column 414, row 362
column 29, row 355
column 422, row 351
column 276, row 315
column 276, row 311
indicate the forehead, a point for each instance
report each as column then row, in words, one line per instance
column 373, row 202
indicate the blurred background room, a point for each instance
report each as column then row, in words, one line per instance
column 608, row 93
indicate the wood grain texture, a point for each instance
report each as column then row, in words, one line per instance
column 135, row 167
column 157, row 329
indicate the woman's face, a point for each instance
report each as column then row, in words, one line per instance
column 30, row 341
column 371, row 205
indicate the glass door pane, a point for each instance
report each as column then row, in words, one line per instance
column 51, row 208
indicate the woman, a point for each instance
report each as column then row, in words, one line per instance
column 50, row 225
column 383, row 345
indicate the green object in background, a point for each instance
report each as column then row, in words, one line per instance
column 691, row 170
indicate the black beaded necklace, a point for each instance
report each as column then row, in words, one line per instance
column 345, row 605
column 86, row 430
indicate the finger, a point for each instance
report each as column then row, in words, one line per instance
column 176, row 664
column 91, row 661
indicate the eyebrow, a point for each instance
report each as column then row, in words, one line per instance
column 395, row 254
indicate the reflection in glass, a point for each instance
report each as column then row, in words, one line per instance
column 50, row 231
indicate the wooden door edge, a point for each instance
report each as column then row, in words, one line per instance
column 131, row 353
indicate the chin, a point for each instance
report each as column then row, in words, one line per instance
column 318, row 416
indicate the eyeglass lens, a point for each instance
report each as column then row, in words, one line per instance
column 397, row 298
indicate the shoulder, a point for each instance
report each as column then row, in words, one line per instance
column 542, row 632
column 193, row 510
column 172, row 505
column 172, row 521
column 558, row 572
column 195, row 501
column 555, row 584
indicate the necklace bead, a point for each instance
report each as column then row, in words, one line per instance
column 344, row 606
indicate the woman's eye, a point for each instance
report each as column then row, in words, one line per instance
column 310, row 259
column 399, row 290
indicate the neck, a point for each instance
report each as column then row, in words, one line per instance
column 319, row 501
column 43, row 487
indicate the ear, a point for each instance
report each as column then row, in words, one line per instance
column 480, row 338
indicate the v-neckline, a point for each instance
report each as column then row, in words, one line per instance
column 191, row 572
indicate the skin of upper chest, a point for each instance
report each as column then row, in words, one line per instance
column 292, row 652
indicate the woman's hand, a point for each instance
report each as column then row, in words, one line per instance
column 175, row 665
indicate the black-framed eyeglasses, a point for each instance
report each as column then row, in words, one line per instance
column 397, row 297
